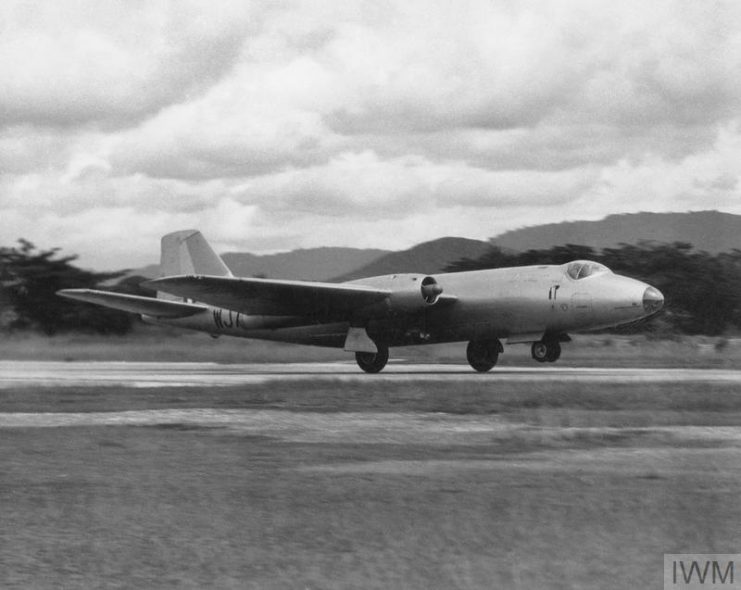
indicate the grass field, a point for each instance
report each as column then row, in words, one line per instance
column 324, row 484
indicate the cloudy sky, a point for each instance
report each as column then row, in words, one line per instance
column 277, row 125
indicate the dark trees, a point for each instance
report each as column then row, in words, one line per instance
column 29, row 280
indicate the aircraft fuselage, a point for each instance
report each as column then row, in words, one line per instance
column 521, row 304
column 534, row 304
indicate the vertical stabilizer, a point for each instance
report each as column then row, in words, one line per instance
column 187, row 252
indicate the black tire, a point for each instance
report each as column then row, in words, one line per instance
column 373, row 362
column 554, row 352
column 482, row 355
column 539, row 351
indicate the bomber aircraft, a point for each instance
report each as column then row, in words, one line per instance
column 539, row 305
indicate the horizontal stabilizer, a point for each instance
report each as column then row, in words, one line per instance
column 134, row 303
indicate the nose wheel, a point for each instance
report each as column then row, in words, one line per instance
column 546, row 351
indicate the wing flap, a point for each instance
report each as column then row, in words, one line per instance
column 273, row 297
column 133, row 303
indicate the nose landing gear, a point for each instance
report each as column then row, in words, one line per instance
column 546, row 351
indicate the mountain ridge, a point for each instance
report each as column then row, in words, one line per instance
column 711, row 231
column 310, row 264
column 427, row 258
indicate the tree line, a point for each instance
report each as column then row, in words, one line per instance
column 29, row 280
column 702, row 291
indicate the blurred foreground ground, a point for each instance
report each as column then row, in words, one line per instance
column 364, row 484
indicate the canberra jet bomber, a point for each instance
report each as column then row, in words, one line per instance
column 539, row 305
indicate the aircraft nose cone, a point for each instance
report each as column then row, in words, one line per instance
column 653, row 300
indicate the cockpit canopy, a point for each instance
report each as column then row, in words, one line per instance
column 581, row 269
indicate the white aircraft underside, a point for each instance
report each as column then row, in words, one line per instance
column 533, row 304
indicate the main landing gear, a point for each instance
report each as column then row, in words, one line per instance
column 482, row 355
column 373, row 362
column 546, row 351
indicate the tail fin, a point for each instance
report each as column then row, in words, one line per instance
column 187, row 252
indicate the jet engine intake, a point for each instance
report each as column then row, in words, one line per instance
column 415, row 295
column 430, row 290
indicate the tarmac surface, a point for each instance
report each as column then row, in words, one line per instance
column 143, row 374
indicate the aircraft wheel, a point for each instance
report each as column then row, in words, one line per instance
column 373, row 362
column 482, row 355
column 539, row 351
column 546, row 351
column 554, row 352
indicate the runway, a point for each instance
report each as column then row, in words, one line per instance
column 146, row 374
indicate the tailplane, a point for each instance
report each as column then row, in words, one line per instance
column 187, row 252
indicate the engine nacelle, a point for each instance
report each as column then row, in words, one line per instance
column 413, row 293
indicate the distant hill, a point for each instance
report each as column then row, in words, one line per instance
column 711, row 231
column 428, row 257
column 345, row 264
column 707, row 230
column 313, row 264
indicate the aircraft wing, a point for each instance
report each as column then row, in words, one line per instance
column 273, row 297
column 160, row 308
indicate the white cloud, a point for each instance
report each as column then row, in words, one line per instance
column 66, row 64
column 706, row 180
column 301, row 123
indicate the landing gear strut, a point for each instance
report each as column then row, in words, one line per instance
column 546, row 351
column 482, row 355
column 373, row 362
